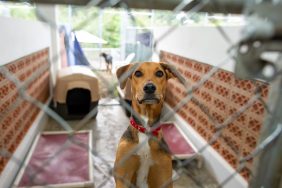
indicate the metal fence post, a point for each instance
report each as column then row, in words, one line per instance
column 269, row 163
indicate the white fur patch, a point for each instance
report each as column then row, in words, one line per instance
column 145, row 161
column 145, row 119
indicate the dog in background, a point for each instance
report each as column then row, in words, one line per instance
column 151, row 164
column 109, row 61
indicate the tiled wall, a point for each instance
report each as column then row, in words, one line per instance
column 222, row 95
column 16, row 114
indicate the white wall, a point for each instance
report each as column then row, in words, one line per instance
column 19, row 38
column 49, row 13
column 201, row 43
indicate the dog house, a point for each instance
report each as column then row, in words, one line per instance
column 76, row 92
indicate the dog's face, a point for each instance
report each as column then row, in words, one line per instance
column 148, row 83
column 148, row 80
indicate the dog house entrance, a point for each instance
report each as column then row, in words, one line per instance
column 78, row 101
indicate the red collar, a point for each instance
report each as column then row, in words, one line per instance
column 142, row 129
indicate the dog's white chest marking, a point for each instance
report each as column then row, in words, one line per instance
column 145, row 161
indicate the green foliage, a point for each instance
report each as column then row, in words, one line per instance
column 198, row 17
column 81, row 18
column 88, row 19
column 19, row 10
column 140, row 19
column 111, row 30
column 165, row 18
column 21, row 13
column 62, row 14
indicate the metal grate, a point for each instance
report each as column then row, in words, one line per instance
column 256, row 40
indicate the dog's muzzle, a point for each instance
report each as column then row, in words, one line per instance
column 149, row 99
column 149, row 95
column 149, row 88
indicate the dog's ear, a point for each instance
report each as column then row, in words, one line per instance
column 172, row 72
column 123, row 74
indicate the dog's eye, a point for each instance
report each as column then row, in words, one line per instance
column 138, row 73
column 159, row 73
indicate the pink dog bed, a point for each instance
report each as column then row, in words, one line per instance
column 180, row 146
column 59, row 160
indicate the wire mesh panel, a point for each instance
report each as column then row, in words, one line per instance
column 238, row 118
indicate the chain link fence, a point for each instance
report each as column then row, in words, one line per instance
column 266, row 153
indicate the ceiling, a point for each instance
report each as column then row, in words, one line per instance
column 233, row 6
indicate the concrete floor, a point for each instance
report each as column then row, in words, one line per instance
column 107, row 128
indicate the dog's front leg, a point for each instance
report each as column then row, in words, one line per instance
column 126, row 165
column 160, row 174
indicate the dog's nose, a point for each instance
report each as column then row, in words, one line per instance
column 149, row 88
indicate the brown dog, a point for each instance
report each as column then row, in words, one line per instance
column 142, row 160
